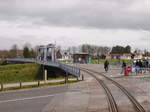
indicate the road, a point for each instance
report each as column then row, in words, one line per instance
column 84, row 96
column 30, row 100
column 63, row 98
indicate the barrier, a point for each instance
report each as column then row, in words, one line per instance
column 127, row 70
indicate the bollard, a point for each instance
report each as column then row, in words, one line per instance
column 126, row 73
column 45, row 76
column 77, row 78
column 66, row 77
column 82, row 77
column 2, row 87
column 38, row 83
column 20, row 85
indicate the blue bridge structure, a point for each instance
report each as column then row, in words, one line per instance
column 67, row 68
column 46, row 55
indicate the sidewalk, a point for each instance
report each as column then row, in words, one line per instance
column 33, row 83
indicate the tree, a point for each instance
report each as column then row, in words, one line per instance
column 146, row 53
column 127, row 49
column 33, row 54
column 14, row 51
column 120, row 49
column 94, row 50
column 58, row 54
column 26, row 52
column 117, row 50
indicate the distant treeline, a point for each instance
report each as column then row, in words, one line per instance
column 15, row 51
column 93, row 50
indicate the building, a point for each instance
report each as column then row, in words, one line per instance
column 123, row 56
column 66, row 55
column 113, row 56
column 126, row 56
column 138, row 56
column 81, row 57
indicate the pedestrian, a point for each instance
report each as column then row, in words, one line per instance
column 137, row 67
column 106, row 64
column 140, row 65
column 123, row 67
column 147, row 63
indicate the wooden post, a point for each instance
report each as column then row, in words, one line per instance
column 2, row 87
column 66, row 77
column 82, row 77
column 20, row 85
column 77, row 78
column 38, row 83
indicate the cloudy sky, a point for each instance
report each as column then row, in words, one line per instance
column 75, row 22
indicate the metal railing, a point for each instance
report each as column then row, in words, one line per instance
column 69, row 69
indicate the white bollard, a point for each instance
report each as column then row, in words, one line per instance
column 45, row 76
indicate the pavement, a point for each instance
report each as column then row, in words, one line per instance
column 137, row 85
column 84, row 96
column 34, row 83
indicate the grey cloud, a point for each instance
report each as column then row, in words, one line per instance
column 107, row 14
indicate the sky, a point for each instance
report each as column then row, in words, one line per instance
column 75, row 22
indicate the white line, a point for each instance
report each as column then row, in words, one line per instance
column 29, row 98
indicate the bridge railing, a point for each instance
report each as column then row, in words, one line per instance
column 70, row 69
column 32, row 60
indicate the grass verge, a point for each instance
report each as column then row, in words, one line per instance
column 101, row 61
column 20, row 73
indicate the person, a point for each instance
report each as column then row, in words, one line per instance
column 137, row 67
column 106, row 64
column 140, row 65
column 123, row 67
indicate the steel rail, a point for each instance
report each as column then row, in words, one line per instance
column 138, row 107
column 111, row 101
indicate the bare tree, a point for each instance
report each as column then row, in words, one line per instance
column 14, row 50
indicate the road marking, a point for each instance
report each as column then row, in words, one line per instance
column 29, row 98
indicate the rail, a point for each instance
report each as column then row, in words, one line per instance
column 111, row 101
column 138, row 107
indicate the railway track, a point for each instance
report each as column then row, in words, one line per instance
column 111, row 101
column 112, row 104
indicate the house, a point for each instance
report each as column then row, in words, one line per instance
column 123, row 56
column 126, row 56
column 138, row 56
column 113, row 56
column 81, row 57
column 65, row 55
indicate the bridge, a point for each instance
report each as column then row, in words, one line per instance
column 68, row 69
column 47, row 57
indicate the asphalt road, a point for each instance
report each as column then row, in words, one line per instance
column 31, row 100
column 84, row 96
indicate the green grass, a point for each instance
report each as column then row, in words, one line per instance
column 41, row 85
column 66, row 61
column 17, row 66
column 111, row 61
column 19, row 73
column 1, row 61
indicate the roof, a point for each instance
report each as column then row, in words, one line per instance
column 81, row 53
column 125, row 54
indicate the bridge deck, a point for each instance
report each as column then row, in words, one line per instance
column 72, row 70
